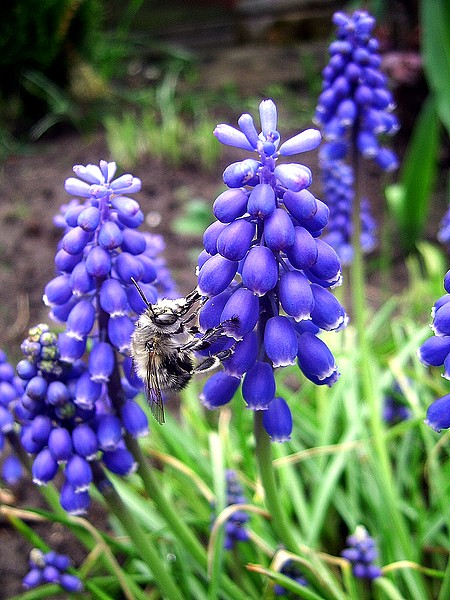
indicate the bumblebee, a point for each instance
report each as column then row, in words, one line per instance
column 163, row 346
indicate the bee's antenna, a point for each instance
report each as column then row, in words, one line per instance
column 141, row 293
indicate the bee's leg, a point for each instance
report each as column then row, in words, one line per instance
column 213, row 361
column 190, row 300
column 209, row 337
column 190, row 317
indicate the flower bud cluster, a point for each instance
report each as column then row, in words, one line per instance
column 50, row 567
column 362, row 552
column 338, row 188
column 435, row 352
column 264, row 262
column 11, row 389
column 355, row 105
column 70, row 421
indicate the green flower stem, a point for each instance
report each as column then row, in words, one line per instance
column 163, row 579
column 382, row 460
column 172, row 517
column 264, row 458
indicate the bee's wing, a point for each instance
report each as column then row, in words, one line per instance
column 154, row 390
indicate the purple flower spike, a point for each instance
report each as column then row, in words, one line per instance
column 355, row 101
column 259, row 261
column 76, row 396
column 277, row 420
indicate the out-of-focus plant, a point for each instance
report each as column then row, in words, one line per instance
column 409, row 200
column 165, row 125
column 41, row 42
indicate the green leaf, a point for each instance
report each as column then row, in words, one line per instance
column 408, row 201
column 435, row 19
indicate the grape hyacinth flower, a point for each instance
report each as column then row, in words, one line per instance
column 361, row 553
column 355, row 105
column 72, row 423
column 290, row 570
column 235, row 527
column 264, row 262
column 50, row 567
column 435, row 352
column 395, row 410
column 78, row 405
column 338, row 187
